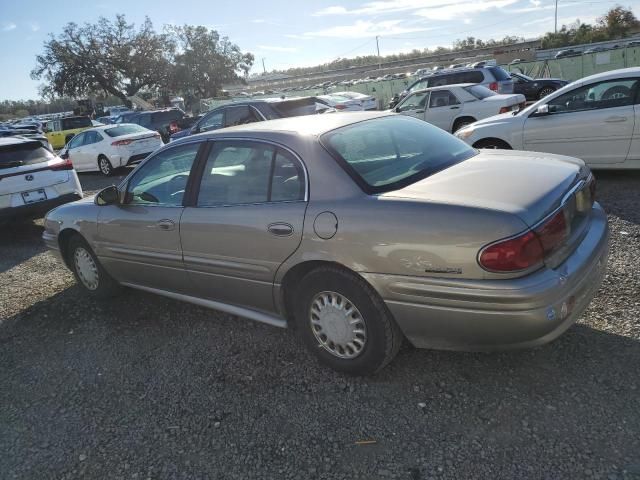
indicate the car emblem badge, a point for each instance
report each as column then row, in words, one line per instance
column 28, row 178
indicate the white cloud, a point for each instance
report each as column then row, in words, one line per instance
column 34, row 26
column 364, row 29
column 539, row 20
column 272, row 48
column 453, row 10
column 8, row 26
column 387, row 6
column 258, row 20
column 535, row 3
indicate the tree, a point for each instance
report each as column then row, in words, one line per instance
column 206, row 61
column 113, row 57
column 617, row 22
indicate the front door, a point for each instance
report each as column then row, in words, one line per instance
column 76, row 153
column 138, row 241
column 247, row 220
column 414, row 105
column 443, row 108
column 594, row 122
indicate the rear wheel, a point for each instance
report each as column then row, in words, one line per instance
column 461, row 123
column 344, row 322
column 545, row 91
column 492, row 143
column 88, row 271
column 105, row 165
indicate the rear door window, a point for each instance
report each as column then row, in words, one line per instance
column 442, row 98
column 239, row 116
column 499, row 73
column 471, row 77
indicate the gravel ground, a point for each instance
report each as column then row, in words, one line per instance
column 148, row 388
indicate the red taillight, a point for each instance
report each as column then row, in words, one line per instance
column 493, row 86
column 340, row 107
column 528, row 249
column 119, row 143
column 514, row 254
column 592, row 188
column 553, row 232
column 505, row 110
column 64, row 165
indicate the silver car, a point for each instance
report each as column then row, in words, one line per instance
column 358, row 229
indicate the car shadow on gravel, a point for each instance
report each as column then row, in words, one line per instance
column 20, row 241
column 212, row 392
column 619, row 193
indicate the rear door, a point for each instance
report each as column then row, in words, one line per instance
column 593, row 122
column 139, row 239
column 444, row 106
column 246, row 221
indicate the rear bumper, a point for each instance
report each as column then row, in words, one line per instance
column 499, row 314
column 36, row 210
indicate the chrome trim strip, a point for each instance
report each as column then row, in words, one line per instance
column 143, row 253
column 272, row 320
column 214, row 262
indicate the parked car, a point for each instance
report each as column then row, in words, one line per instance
column 535, row 88
column 494, row 78
column 166, row 121
column 342, row 103
column 106, row 148
column 106, row 120
column 568, row 53
column 596, row 49
column 595, row 119
column 516, row 60
column 360, row 229
column 456, row 106
column 239, row 113
column 368, row 102
column 33, row 179
column 61, row 130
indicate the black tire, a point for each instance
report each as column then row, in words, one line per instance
column 104, row 165
column 105, row 286
column 619, row 91
column 383, row 337
column 461, row 123
column 492, row 143
column 544, row 91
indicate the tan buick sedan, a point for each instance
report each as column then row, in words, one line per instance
column 357, row 229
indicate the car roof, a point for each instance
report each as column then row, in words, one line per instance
column 621, row 72
column 303, row 125
column 105, row 127
column 446, row 87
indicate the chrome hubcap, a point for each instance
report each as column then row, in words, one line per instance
column 337, row 325
column 86, row 268
column 104, row 165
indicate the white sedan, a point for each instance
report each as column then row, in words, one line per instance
column 347, row 102
column 596, row 119
column 368, row 102
column 109, row 147
column 452, row 107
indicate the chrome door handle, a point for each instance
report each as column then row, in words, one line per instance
column 615, row 119
column 166, row 224
column 280, row 229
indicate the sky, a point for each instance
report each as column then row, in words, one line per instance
column 286, row 33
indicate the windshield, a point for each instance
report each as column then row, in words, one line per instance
column 125, row 129
column 388, row 153
column 480, row 92
column 27, row 153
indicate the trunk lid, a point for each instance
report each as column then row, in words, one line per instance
column 529, row 185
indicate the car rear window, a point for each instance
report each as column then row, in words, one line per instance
column 294, row 108
column 28, row 153
column 125, row 129
column 388, row 153
column 480, row 92
column 500, row 73
column 76, row 122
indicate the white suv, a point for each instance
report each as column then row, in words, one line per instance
column 33, row 180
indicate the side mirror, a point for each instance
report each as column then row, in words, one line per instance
column 397, row 109
column 107, row 196
column 195, row 129
column 64, row 155
column 542, row 110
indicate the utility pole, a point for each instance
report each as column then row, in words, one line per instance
column 263, row 67
column 378, row 47
column 556, row 18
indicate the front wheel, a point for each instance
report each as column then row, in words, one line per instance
column 105, row 166
column 493, row 144
column 344, row 322
column 88, row 271
column 545, row 91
